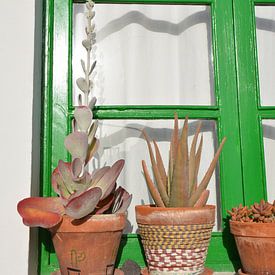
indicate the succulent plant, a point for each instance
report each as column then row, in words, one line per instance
column 179, row 187
column 80, row 193
column 263, row 212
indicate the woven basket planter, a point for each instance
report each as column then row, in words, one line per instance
column 175, row 240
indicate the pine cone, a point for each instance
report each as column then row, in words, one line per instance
column 263, row 212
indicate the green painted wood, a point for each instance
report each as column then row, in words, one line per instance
column 46, row 150
column 248, row 96
column 264, row 2
column 226, row 89
column 154, row 112
column 56, row 104
column 161, row 2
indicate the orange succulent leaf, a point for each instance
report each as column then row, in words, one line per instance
column 42, row 212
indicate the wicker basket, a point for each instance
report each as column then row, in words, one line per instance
column 175, row 248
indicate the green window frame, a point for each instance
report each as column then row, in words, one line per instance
column 237, row 112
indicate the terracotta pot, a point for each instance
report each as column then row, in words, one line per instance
column 89, row 246
column 175, row 240
column 256, row 246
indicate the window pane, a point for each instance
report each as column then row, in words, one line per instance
column 149, row 54
column 269, row 148
column 123, row 139
column 265, row 29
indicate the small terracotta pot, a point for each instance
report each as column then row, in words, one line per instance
column 256, row 246
column 88, row 246
column 175, row 240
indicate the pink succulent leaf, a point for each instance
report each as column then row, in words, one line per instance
column 57, row 182
column 74, row 125
column 98, row 174
column 105, row 204
column 77, row 169
column 92, row 103
column 77, row 144
column 108, row 180
column 84, row 204
column 64, row 170
column 43, row 212
column 83, row 116
column 125, row 204
column 122, row 200
column 92, row 149
column 55, row 174
column 92, row 132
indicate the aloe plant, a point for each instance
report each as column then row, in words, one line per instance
column 80, row 193
column 179, row 186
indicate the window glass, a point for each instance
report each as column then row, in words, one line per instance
column 148, row 54
column 265, row 30
column 269, row 149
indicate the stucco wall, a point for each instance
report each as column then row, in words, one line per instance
column 17, row 23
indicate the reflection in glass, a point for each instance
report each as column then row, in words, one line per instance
column 149, row 54
column 269, row 149
column 265, row 30
column 123, row 139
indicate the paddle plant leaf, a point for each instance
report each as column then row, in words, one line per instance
column 92, row 132
column 105, row 205
column 83, row 116
column 108, row 180
column 123, row 200
column 92, row 103
column 87, row 44
column 59, row 185
column 98, row 174
column 64, row 170
column 92, row 67
column 84, row 204
column 77, row 144
column 82, row 85
column 77, row 169
column 93, row 147
column 83, row 65
column 43, row 212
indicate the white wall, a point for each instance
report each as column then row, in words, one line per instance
column 16, row 89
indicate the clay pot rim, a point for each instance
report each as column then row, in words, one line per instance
column 253, row 229
column 92, row 223
column 149, row 214
column 153, row 207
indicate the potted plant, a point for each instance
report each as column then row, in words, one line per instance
column 87, row 217
column 176, row 231
column 254, row 232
